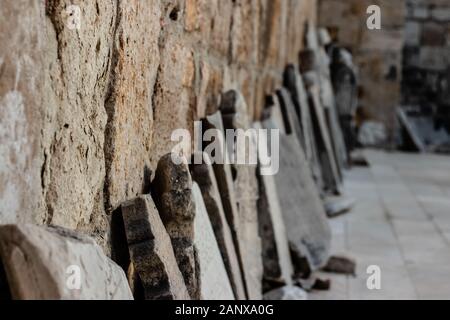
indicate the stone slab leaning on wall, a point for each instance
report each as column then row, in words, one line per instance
column 215, row 284
column 151, row 251
column 203, row 174
column 44, row 263
column 235, row 117
column 172, row 189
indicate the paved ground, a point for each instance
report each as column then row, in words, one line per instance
column 401, row 223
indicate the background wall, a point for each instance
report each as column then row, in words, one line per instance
column 426, row 53
column 377, row 53
column 86, row 114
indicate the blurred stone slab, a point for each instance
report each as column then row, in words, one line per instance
column 329, row 102
column 275, row 248
column 316, row 67
column 273, row 111
column 341, row 265
column 293, row 162
column 224, row 178
column 330, row 171
column 294, row 84
column 215, row 284
column 336, row 206
column 286, row 293
column 303, row 211
column 304, row 216
column 172, row 189
column 234, row 110
column 151, row 251
column 43, row 263
column 425, row 128
column 203, row 174
column 290, row 115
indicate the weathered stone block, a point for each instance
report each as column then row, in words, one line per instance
column 45, row 263
column 215, row 284
column 130, row 101
column 203, row 174
column 303, row 213
column 329, row 166
column 151, row 251
column 275, row 248
column 21, row 85
column 433, row 35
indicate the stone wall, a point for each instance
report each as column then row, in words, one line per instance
column 377, row 53
column 427, row 53
column 86, row 114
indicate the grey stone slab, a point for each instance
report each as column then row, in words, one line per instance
column 273, row 112
column 335, row 206
column 303, row 212
column 151, row 251
column 203, row 174
column 43, row 263
column 396, row 284
column 215, row 284
column 172, row 190
column 275, row 248
column 243, row 219
column 327, row 98
column 329, row 164
column 294, row 84
column 245, row 183
column 290, row 115
column 315, row 64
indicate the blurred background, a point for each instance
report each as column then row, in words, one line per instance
column 403, row 69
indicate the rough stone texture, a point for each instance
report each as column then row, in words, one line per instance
column 214, row 280
column 86, row 114
column 40, row 262
column 275, row 248
column 151, row 251
column 304, row 216
column 76, row 71
column 203, row 175
column 377, row 53
column 129, row 101
column 174, row 199
column 234, row 109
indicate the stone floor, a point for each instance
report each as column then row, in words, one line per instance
column 401, row 223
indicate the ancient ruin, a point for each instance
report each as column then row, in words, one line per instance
column 224, row 149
